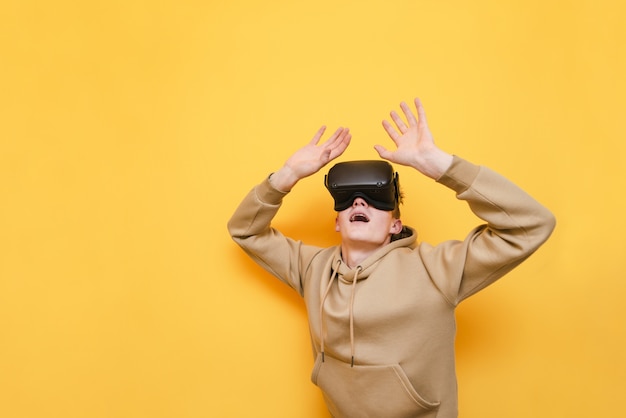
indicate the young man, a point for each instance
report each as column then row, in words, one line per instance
column 381, row 306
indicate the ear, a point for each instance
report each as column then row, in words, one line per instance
column 396, row 227
column 337, row 224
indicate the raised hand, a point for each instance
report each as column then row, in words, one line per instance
column 415, row 146
column 311, row 158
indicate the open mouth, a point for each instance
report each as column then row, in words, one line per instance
column 359, row 217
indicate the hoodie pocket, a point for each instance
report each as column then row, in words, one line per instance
column 369, row 391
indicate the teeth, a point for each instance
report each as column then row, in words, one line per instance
column 358, row 217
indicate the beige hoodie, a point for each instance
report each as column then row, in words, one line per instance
column 383, row 333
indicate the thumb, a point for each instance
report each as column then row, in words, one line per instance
column 383, row 152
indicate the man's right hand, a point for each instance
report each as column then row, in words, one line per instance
column 311, row 158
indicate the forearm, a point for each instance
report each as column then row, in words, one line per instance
column 256, row 211
column 495, row 199
column 515, row 226
column 250, row 227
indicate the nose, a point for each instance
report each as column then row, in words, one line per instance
column 359, row 201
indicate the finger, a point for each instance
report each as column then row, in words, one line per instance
column 421, row 113
column 341, row 147
column 345, row 134
column 410, row 117
column 393, row 134
column 318, row 135
column 336, row 145
column 335, row 138
column 399, row 122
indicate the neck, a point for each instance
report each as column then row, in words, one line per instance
column 355, row 255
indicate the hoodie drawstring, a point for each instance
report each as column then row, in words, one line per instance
column 351, row 312
column 356, row 274
column 330, row 284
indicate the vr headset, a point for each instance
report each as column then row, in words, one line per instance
column 372, row 180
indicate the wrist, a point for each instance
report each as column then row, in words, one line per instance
column 435, row 163
column 284, row 179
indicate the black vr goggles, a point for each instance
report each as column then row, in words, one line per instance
column 372, row 180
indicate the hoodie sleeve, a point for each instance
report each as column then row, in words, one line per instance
column 516, row 225
column 250, row 227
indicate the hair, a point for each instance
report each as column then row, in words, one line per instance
column 396, row 209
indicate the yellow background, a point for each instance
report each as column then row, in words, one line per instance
column 130, row 130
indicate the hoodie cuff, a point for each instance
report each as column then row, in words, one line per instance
column 266, row 193
column 460, row 175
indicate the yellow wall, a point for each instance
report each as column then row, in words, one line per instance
column 129, row 131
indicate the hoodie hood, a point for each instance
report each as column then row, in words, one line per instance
column 405, row 238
